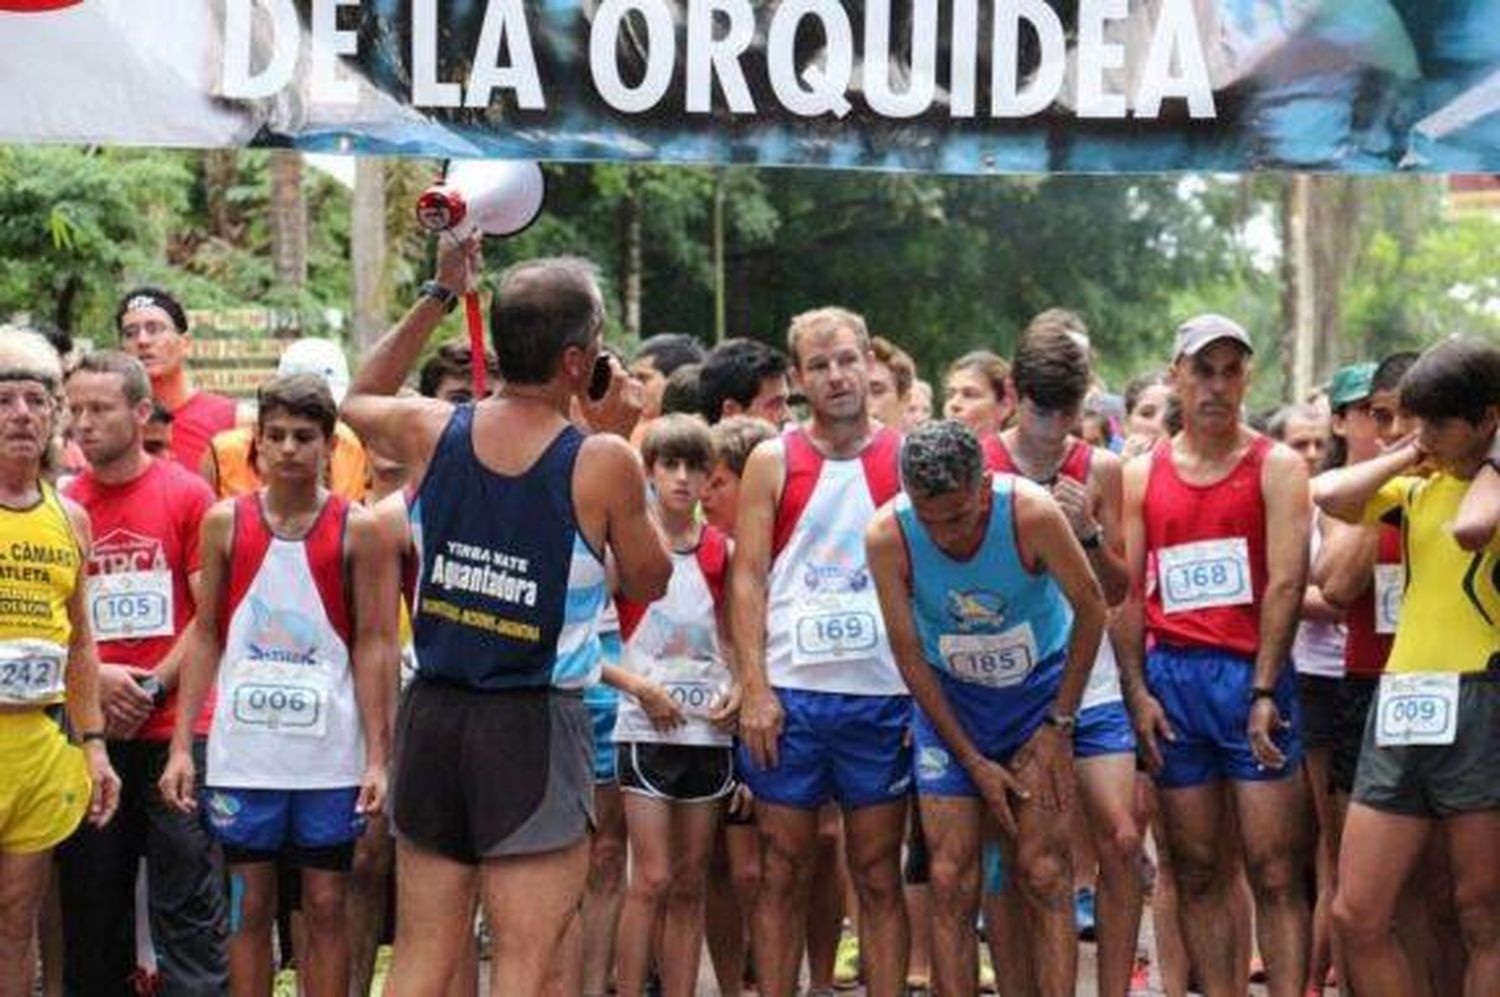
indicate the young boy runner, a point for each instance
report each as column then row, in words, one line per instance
column 1431, row 757
column 673, row 744
column 297, row 623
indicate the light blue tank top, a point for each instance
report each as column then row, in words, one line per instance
column 987, row 620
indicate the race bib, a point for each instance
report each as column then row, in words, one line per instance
column 1416, row 709
column 1204, row 575
column 278, row 699
column 130, row 604
column 831, row 628
column 1390, row 582
column 31, row 672
column 695, row 697
column 994, row 660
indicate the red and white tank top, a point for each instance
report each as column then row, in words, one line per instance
column 824, row 631
column 674, row 642
column 1372, row 617
column 287, row 716
column 1206, row 554
column 1104, row 678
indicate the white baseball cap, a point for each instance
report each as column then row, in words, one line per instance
column 1200, row 330
column 322, row 357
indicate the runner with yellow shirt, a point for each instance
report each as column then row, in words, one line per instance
column 48, row 663
column 1431, row 759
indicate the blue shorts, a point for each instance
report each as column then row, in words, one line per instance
column 1104, row 729
column 1206, row 696
column 852, row 749
column 603, row 702
column 998, row 721
column 258, row 824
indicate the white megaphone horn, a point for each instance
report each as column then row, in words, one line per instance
column 494, row 197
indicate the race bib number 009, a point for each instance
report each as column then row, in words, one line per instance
column 130, row 605
column 994, row 660
column 1204, row 575
column 282, row 708
column 1390, row 583
column 1416, row 709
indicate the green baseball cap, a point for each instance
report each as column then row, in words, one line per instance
column 1351, row 384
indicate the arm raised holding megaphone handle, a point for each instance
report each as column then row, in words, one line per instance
column 406, row 429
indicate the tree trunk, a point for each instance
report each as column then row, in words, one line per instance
column 1299, row 289
column 719, row 193
column 630, row 270
column 288, row 220
column 220, row 167
column 367, row 250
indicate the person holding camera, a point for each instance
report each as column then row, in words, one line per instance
column 514, row 511
column 142, row 572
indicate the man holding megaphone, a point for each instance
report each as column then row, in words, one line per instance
column 514, row 511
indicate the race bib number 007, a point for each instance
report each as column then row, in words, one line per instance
column 1204, row 575
column 994, row 660
column 1416, row 709
column 130, row 605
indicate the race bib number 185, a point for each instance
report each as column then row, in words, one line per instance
column 994, row 660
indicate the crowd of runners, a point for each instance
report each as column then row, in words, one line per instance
column 786, row 655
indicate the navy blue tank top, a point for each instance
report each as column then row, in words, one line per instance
column 509, row 593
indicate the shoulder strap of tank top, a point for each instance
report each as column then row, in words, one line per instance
column 803, row 464
column 996, row 456
column 713, row 559
column 324, row 545
column 882, row 463
column 249, row 539
column 1078, row 463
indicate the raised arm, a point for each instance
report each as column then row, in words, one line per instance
column 1343, row 493
column 1478, row 519
column 406, row 429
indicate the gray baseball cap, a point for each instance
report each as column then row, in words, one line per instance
column 1200, row 330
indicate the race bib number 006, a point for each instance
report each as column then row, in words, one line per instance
column 1390, row 582
column 282, row 708
column 994, row 660
column 1416, row 709
column 130, row 605
column 1204, row 575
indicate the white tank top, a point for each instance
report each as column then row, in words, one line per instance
column 824, row 630
column 1104, row 680
column 675, row 643
column 1318, row 647
column 287, row 716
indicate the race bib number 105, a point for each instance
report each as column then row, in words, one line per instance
column 1204, row 575
column 1416, row 709
column 130, row 605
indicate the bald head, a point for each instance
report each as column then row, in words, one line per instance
column 542, row 308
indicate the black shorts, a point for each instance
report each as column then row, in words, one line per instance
column 1436, row 781
column 1356, row 693
column 481, row 775
column 740, row 818
column 1319, row 697
column 326, row 858
column 682, row 773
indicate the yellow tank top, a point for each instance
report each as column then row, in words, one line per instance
column 39, row 561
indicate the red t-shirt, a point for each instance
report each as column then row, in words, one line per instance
column 146, row 542
column 195, row 422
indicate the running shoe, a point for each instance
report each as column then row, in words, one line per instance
column 986, row 972
column 846, row 963
column 1083, row 913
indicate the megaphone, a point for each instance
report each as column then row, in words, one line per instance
column 495, row 197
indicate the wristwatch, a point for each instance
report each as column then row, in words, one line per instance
column 1065, row 723
column 1260, row 692
column 447, row 297
column 1094, row 540
column 151, row 686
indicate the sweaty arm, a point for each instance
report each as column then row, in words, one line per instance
column 201, row 646
column 1047, row 544
column 1288, row 520
column 1108, row 558
column 751, row 566
column 405, row 430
